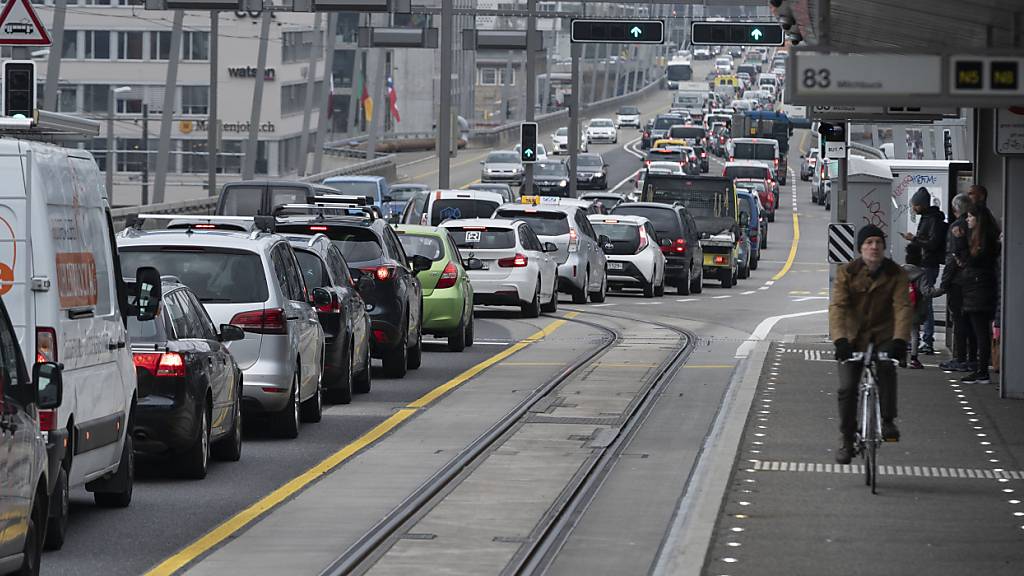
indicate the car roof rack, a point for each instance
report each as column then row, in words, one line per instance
column 325, row 210
column 192, row 221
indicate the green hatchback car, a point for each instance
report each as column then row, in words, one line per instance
column 447, row 291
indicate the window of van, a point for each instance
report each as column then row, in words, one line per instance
column 242, row 201
column 459, row 209
column 752, row 151
column 747, row 172
column 215, row 275
column 281, row 195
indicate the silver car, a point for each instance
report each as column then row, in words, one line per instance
column 251, row 280
column 581, row 261
column 502, row 166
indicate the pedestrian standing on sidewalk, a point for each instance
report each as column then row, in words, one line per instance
column 931, row 239
column 870, row 305
column 918, row 300
column 980, row 284
column 965, row 348
column 978, row 195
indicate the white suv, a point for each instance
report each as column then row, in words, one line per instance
column 628, row 116
column 251, row 280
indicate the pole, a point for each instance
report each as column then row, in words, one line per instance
column 111, row 158
column 307, row 110
column 531, row 81
column 506, row 91
column 574, row 116
column 163, row 154
column 379, row 107
column 824, row 22
column 358, row 69
column 841, row 197
column 54, row 59
column 325, row 99
column 595, row 63
column 252, row 149
column 145, row 154
column 211, row 122
column 444, row 129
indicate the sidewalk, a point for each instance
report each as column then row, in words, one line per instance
column 949, row 494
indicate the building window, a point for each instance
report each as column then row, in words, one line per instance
column 67, row 99
column 129, row 102
column 195, row 46
column 293, row 97
column 129, row 45
column 493, row 76
column 297, row 46
column 193, row 156
column 97, row 45
column 95, row 98
column 348, row 27
column 195, row 99
column 97, row 2
column 159, row 45
column 70, row 48
column 344, row 68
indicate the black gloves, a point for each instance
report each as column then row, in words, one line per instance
column 897, row 349
column 844, row 350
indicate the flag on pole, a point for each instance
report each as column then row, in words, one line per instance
column 393, row 99
column 367, row 104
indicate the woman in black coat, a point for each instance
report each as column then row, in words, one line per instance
column 979, row 284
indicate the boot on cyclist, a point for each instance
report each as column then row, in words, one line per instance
column 870, row 303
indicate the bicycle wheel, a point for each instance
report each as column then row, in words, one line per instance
column 871, row 463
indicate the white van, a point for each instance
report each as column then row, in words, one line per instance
column 60, row 277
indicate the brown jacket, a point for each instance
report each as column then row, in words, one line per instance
column 870, row 309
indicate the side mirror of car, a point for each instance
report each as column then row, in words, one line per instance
column 48, row 379
column 550, row 247
column 473, row 264
column 147, row 294
column 666, row 242
column 420, row 263
column 231, row 333
column 321, row 298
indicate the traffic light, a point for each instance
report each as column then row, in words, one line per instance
column 19, row 88
column 947, row 144
column 618, row 31
column 832, row 132
column 736, row 34
column 528, row 142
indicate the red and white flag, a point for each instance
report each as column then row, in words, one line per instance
column 393, row 99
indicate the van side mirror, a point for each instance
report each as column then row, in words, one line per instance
column 48, row 379
column 321, row 298
column 147, row 293
column 231, row 333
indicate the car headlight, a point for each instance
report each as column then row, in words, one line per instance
column 563, row 183
column 518, row 170
column 599, row 175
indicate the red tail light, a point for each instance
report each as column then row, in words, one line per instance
column 160, row 364
column 46, row 344
column 643, row 240
column 719, row 259
column 703, row 154
column 448, row 276
column 677, row 247
column 47, row 420
column 318, row 228
column 268, row 321
column 381, row 273
column 732, row 158
column 573, row 241
column 517, row 261
column 776, row 162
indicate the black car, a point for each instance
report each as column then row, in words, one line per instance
column 551, row 178
column 346, row 324
column 591, row 172
column 505, row 190
column 679, row 240
column 385, row 278
column 189, row 386
column 260, row 197
column 662, row 123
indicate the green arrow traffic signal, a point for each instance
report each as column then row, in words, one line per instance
column 756, row 33
column 528, row 153
column 636, row 31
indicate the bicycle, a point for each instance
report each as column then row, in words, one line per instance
column 869, row 433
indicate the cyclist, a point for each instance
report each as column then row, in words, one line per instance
column 870, row 304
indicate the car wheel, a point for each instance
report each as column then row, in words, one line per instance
column 32, row 550
column 364, row 379
column 685, row 288
column 396, row 361
column 313, row 407
column 753, row 262
column 532, row 309
column 771, row 216
column 601, row 294
column 552, row 305
column 60, row 504
column 743, row 272
column 648, row 288
column 195, row 462
column 230, row 449
column 286, row 421
column 123, row 497
column 457, row 339
column 341, row 392
column 470, row 330
column 659, row 290
column 828, row 204
column 580, row 295
column 728, row 279
column 415, row 356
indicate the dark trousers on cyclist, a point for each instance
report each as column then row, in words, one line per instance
column 849, row 386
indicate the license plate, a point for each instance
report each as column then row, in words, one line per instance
column 615, row 266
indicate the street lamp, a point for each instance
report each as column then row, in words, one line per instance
column 111, row 148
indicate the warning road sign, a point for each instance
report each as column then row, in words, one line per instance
column 20, row 26
column 841, row 243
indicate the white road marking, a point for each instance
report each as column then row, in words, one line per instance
column 748, row 292
column 806, row 298
column 687, row 300
column 762, row 330
column 721, row 297
column 601, row 305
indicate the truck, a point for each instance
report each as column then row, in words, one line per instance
column 712, row 202
column 692, row 97
column 767, row 124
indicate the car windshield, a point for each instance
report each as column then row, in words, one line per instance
column 624, row 237
column 746, row 172
column 154, row 330
column 756, row 187
column 601, row 124
column 543, row 223
column 629, row 110
column 665, row 219
column 312, row 269
column 589, row 160
column 460, row 208
column 666, row 122
column 483, row 238
column 606, row 202
column 403, row 193
column 562, row 132
column 419, row 245
column 550, row 169
column 365, row 189
column 503, row 158
column 241, row 201
column 216, row 275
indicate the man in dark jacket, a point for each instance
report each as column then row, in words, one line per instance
column 870, row 304
column 931, row 238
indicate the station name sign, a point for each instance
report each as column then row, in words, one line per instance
column 917, row 80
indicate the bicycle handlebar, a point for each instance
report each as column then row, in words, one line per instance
column 880, row 356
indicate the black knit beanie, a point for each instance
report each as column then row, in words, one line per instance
column 868, row 231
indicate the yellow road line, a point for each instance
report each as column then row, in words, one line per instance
column 231, row 526
column 792, row 249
